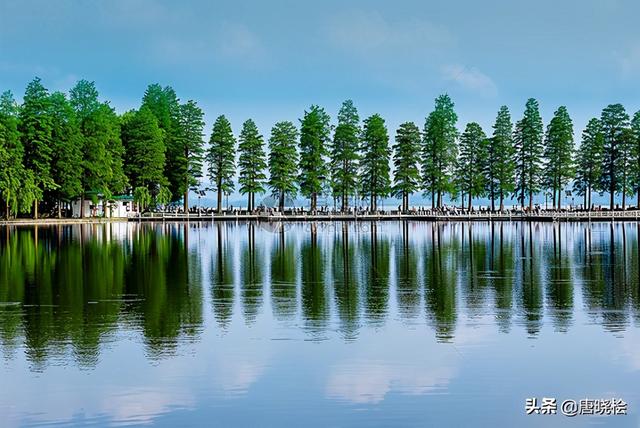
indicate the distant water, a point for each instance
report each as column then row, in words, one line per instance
column 328, row 324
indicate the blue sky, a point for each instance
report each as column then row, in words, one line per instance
column 269, row 60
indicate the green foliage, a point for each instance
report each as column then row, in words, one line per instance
column 500, row 166
column 558, row 152
column 283, row 160
column 529, row 152
column 66, row 159
column 164, row 195
column 345, row 154
column 314, row 142
column 406, row 175
column 252, row 161
column 144, row 150
column 635, row 136
column 375, row 160
column 589, row 160
column 614, row 120
column 142, row 197
column 439, row 150
column 165, row 106
column 474, row 148
column 221, row 158
column 17, row 184
column 35, row 128
column 186, row 152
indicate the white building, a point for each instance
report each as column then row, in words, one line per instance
column 120, row 206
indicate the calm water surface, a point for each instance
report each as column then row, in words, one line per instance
column 388, row 324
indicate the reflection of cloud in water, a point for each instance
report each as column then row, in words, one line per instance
column 369, row 382
column 141, row 406
column 236, row 377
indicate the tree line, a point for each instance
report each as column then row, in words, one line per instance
column 57, row 147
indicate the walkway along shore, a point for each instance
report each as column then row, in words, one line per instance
column 569, row 216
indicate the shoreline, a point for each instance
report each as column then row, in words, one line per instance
column 195, row 218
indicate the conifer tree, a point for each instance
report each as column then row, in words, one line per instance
column 614, row 120
column 345, row 154
column 375, row 160
column 500, row 165
column 221, row 158
column 473, row 149
column 439, row 150
column 144, row 150
column 406, row 176
column 558, row 153
column 635, row 135
column 529, row 150
column 251, row 163
column 314, row 143
column 283, row 161
column 187, row 150
column 589, row 161
column 66, row 158
column 35, row 131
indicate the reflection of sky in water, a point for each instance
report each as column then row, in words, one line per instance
column 421, row 326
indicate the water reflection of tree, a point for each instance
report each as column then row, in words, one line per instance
column 251, row 262
column 530, row 281
column 407, row 285
column 502, row 266
column 440, row 280
column 474, row 259
column 283, row 277
column 222, row 285
column 375, row 253
column 345, row 283
column 158, row 272
column 315, row 305
column 559, row 290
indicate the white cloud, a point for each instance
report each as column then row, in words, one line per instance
column 369, row 33
column 237, row 41
column 470, row 78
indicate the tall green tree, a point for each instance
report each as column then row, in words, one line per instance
column 283, row 161
column 500, row 165
column 589, row 161
column 315, row 134
column 102, row 150
column 251, row 163
column 473, row 148
column 144, row 150
column 345, row 154
column 439, row 151
column 17, row 184
column 66, row 158
column 627, row 164
column 165, row 106
column 558, row 153
column 529, row 149
column 635, row 129
column 35, row 130
column 187, row 151
column 406, row 157
column 374, row 167
column 614, row 120
column 221, row 158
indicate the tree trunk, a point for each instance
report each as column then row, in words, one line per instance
column 501, row 201
column 249, row 202
column 281, row 202
column 219, row 196
column 469, row 201
column 35, row 209
column 589, row 192
column 186, row 201
column 433, row 199
column 439, row 199
column 612, row 189
column 530, row 201
column 59, row 208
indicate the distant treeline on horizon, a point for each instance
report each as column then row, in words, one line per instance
column 56, row 148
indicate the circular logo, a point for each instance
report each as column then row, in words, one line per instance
column 271, row 218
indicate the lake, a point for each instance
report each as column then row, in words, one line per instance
column 317, row 324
